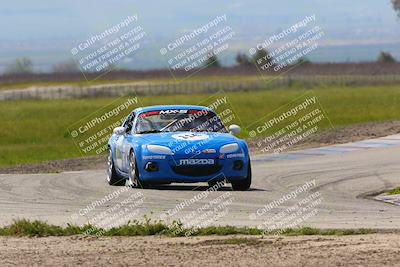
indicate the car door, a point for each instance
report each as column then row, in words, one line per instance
column 122, row 146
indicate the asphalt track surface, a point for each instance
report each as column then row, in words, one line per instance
column 345, row 176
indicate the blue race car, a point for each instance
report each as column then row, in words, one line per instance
column 177, row 144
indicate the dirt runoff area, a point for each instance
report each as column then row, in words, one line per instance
column 336, row 136
column 361, row 250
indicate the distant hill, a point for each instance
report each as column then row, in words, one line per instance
column 46, row 30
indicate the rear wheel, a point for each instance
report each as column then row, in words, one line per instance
column 243, row 185
column 112, row 176
column 133, row 174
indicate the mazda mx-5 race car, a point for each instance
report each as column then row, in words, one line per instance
column 183, row 144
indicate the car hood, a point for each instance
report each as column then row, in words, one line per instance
column 180, row 142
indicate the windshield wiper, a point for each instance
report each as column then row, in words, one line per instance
column 150, row 131
column 169, row 124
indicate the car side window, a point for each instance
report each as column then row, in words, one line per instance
column 129, row 123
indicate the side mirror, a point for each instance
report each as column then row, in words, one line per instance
column 119, row 130
column 234, row 129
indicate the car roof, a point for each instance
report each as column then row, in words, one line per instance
column 168, row 107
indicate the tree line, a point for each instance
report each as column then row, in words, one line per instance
column 24, row 65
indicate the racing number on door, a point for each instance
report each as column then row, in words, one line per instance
column 187, row 136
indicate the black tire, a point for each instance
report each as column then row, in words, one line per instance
column 243, row 185
column 133, row 173
column 112, row 176
column 212, row 183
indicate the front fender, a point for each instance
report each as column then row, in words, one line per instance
column 244, row 147
column 133, row 144
column 112, row 144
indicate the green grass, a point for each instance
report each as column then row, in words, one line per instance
column 147, row 228
column 395, row 191
column 36, row 130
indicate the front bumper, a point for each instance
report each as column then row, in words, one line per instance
column 170, row 170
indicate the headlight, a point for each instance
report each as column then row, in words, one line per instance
column 229, row 148
column 160, row 150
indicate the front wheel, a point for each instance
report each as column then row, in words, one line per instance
column 133, row 175
column 112, row 176
column 243, row 185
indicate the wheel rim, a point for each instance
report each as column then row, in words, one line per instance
column 132, row 172
column 109, row 165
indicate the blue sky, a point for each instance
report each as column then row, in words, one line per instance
column 46, row 30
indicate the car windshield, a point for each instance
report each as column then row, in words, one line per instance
column 178, row 120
